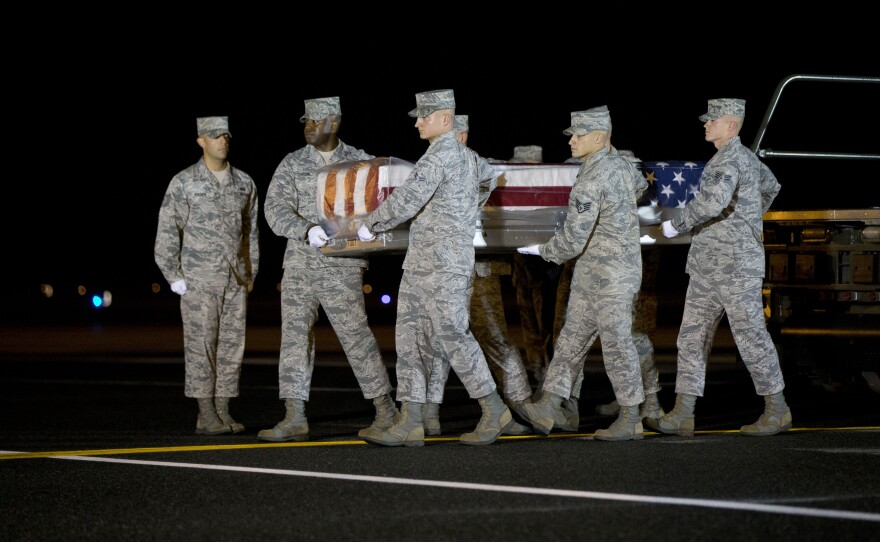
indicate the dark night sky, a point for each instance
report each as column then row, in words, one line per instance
column 103, row 119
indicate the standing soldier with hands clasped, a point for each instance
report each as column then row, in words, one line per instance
column 207, row 247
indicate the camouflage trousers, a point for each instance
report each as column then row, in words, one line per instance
column 489, row 327
column 591, row 315
column 535, row 281
column 706, row 302
column 339, row 291
column 213, row 318
column 644, row 325
column 433, row 330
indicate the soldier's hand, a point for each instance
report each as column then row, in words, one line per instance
column 364, row 233
column 668, row 231
column 531, row 249
column 179, row 287
column 250, row 286
column 317, row 237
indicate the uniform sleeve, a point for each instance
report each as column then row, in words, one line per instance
column 252, row 233
column 769, row 187
column 583, row 211
column 407, row 199
column 488, row 179
column 713, row 198
column 173, row 216
column 282, row 204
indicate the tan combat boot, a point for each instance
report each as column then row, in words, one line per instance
column 386, row 416
column 208, row 423
column 651, row 411
column 542, row 414
column 681, row 420
column 627, row 426
column 775, row 419
column 408, row 431
column 495, row 419
column 221, row 405
column 294, row 426
column 431, row 418
column 568, row 417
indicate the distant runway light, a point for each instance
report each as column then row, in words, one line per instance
column 107, row 299
column 368, row 288
column 155, row 287
column 81, row 290
column 47, row 290
column 97, row 301
column 386, row 299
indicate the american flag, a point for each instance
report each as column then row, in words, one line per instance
column 672, row 184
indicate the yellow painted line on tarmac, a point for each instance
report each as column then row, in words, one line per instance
column 322, row 443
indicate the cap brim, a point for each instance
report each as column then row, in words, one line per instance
column 706, row 118
column 214, row 134
column 421, row 112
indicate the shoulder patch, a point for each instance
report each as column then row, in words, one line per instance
column 582, row 207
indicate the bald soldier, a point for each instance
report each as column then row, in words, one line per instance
column 726, row 267
column 442, row 196
column 601, row 230
column 207, row 247
column 312, row 279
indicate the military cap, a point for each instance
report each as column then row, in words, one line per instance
column 460, row 124
column 433, row 100
column 213, row 127
column 321, row 108
column 724, row 106
column 528, row 154
column 584, row 122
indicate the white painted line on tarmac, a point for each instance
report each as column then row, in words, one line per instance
column 597, row 495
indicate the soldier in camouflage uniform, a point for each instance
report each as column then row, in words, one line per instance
column 489, row 327
column 726, row 267
column 442, row 196
column 312, row 279
column 207, row 247
column 601, row 230
column 644, row 325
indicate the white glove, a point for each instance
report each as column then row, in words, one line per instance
column 179, row 287
column 531, row 249
column 364, row 233
column 317, row 237
column 668, row 230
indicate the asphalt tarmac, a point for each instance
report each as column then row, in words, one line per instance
column 97, row 442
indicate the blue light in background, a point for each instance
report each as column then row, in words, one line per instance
column 386, row 299
column 97, row 301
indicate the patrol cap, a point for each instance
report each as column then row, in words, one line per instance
column 460, row 124
column 321, row 108
column 584, row 122
column 528, row 154
column 433, row 100
column 212, row 127
column 724, row 106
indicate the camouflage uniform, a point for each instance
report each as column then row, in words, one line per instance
column 312, row 279
column 726, row 267
column 644, row 310
column 208, row 235
column 601, row 230
column 488, row 323
column 489, row 326
column 442, row 196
